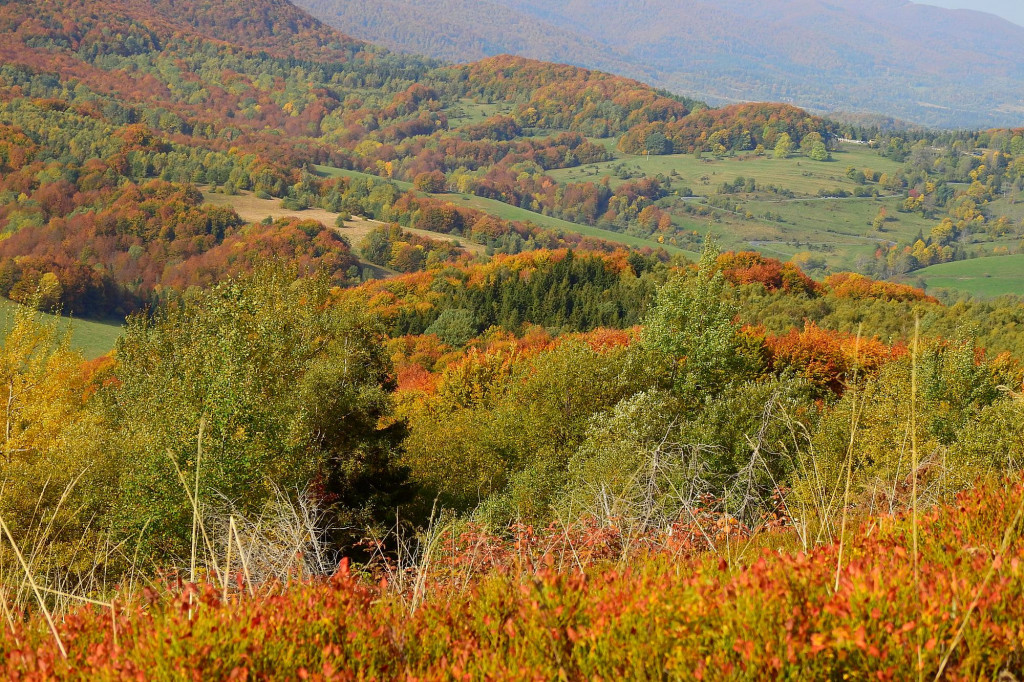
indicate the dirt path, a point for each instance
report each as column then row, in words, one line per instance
column 254, row 209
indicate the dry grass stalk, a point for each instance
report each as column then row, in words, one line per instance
column 854, row 415
column 195, row 496
column 233, row 532
column 35, row 588
column 913, row 448
column 198, row 521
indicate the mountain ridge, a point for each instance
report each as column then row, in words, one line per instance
column 929, row 65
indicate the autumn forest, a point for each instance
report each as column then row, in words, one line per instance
column 322, row 361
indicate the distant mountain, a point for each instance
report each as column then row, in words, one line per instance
column 925, row 64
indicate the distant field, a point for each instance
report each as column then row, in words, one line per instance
column 467, row 112
column 254, row 209
column 705, row 175
column 93, row 339
column 508, row 212
column 984, row 277
column 839, row 230
column 1011, row 206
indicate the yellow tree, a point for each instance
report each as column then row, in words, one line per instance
column 51, row 460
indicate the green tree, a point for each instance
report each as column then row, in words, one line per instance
column 657, row 143
column 819, row 152
column 784, row 147
column 288, row 390
column 691, row 331
column 809, row 141
column 455, row 326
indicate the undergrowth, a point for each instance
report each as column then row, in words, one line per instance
column 575, row 603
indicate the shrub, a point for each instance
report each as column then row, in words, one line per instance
column 284, row 391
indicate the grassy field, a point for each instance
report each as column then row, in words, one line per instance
column 254, row 209
column 839, row 230
column 1011, row 206
column 706, row 174
column 984, row 277
column 508, row 212
column 92, row 338
column 467, row 112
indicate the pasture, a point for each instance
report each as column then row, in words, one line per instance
column 505, row 211
column 706, row 174
column 90, row 337
column 982, row 277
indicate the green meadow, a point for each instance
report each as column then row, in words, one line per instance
column 89, row 337
column 984, row 277
column 705, row 174
column 505, row 211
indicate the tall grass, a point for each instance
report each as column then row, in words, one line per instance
column 854, row 414
column 525, row 615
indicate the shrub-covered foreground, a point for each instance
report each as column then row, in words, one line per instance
column 569, row 611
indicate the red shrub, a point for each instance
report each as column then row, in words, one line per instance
column 750, row 267
column 859, row 287
column 827, row 358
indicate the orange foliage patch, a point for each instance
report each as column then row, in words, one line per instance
column 608, row 339
column 414, row 377
column 750, row 267
column 827, row 358
column 420, row 361
column 859, row 287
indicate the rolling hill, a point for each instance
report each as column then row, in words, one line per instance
column 934, row 66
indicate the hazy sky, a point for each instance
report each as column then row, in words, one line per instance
column 1008, row 9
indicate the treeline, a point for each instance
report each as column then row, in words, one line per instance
column 737, row 128
column 560, row 291
column 515, row 294
column 543, row 427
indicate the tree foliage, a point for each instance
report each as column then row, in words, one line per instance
column 284, row 391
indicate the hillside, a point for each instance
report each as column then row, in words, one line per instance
column 486, row 371
column 982, row 277
column 578, row 447
column 104, row 140
column 947, row 68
